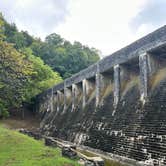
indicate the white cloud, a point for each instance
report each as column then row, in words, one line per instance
column 103, row 24
column 151, row 16
column 107, row 25
column 39, row 17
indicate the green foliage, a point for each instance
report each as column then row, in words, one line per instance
column 15, row 72
column 20, row 150
column 64, row 57
column 23, row 59
column 54, row 39
column 3, row 111
column 12, row 35
column 19, row 39
column 23, row 76
column 43, row 76
column 1, row 27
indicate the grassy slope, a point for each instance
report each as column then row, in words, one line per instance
column 19, row 150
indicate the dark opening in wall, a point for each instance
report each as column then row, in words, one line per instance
column 157, row 63
column 129, row 76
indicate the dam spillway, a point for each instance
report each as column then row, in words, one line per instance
column 117, row 105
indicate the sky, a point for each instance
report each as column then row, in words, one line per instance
column 107, row 25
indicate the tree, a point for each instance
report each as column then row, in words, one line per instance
column 42, row 78
column 54, row 39
column 64, row 57
column 15, row 73
column 28, row 39
column 58, row 53
column 23, row 76
column 1, row 27
column 27, row 63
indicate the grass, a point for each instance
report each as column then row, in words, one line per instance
column 17, row 149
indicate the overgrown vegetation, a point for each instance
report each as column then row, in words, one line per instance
column 13, row 144
column 62, row 56
column 29, row 66
column 22, row 75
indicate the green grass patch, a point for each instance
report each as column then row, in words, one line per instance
column 17, row 149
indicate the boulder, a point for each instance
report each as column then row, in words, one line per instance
column 68, row 151
column 94, row 161
column 89, row 163
column 50, row 142
column 35, row 135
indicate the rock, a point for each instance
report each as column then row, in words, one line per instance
column 24, row 131
column 155, row 162
column 99, row 161
column 35, row 135
column 95, row 161
column 89, row 163
column 73, row 147
column 21, row 131
column 67, row 151
column 50, row 142
column 81, row 162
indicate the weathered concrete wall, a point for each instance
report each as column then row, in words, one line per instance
column 117, row 105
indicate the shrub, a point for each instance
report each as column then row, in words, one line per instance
column 3, row 111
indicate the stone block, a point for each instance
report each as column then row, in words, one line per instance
column 50, row 142
column 68, row 151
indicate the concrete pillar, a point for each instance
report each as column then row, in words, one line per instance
column 75, row 95
column 59, row 100
column 99, row 88
column 117, row 84
column 143, row 65
column 84, row 92
column 148, row 67
column 67, row 97
column 48, row 102
column 52, row 100
column 55, row 101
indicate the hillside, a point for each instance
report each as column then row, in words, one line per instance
column 29, row 66
column 58, row 53
column 13, row 144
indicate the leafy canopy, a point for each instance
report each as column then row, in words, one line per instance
column 61, row 55
column 29, row 66
column 22, row 75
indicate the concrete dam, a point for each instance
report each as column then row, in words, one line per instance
column 117, row 105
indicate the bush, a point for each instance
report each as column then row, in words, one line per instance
column 3, row 111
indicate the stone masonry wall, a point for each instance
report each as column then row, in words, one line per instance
column 129, row 118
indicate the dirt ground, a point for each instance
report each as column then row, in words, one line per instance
column 14, row 122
